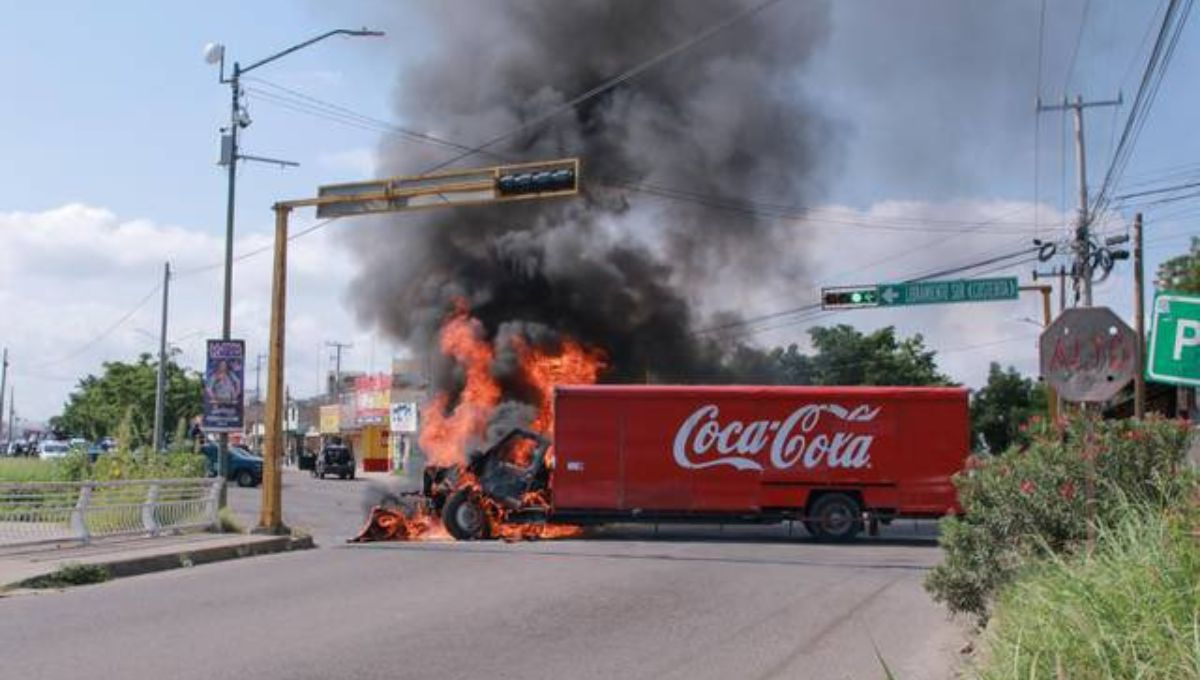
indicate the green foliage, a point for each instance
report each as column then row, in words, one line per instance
column 1128, row 610
column 1000, row 408
column 1030, row 502
column 99, row 404
column 845, row 356
column 1181, row 273
column 74, row 574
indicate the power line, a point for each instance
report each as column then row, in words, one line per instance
column 106, row 332
column 1174, row 19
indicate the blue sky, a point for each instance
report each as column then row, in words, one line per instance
column 111, row 106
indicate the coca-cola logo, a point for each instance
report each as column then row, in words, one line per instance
column 703, row 441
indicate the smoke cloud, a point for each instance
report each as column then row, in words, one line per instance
column 621, row 269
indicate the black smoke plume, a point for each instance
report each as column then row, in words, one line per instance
column 621, row 268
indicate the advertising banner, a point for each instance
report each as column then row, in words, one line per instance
column 224, row 378
column 372, row 395
column 331, row 419
column 404, row 417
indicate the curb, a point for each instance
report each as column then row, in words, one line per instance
column 137, row 566
column 193, row 558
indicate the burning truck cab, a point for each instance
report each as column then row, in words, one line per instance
column 836, row 459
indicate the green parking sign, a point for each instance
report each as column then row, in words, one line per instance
column 1175, row 340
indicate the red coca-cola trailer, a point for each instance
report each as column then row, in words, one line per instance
column 834, row 458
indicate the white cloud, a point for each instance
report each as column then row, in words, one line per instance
column 68, row 274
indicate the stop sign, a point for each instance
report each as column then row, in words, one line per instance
column 1088, row 354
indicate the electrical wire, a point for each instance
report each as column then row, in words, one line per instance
column 103, row 334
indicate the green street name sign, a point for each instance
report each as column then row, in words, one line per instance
column 1175, row 340
column 942, row 292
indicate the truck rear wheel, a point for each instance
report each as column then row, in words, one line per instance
column 464, row 517
column 835, row 517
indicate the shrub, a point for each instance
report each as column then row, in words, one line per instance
column 1128, row 610
column 1031, row 501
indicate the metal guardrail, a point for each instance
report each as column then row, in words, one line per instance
column 52, row 512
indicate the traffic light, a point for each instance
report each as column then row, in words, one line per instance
column 545, row 181
column 854, row 297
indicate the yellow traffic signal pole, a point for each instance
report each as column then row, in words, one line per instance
column 1051, row 396
column 455, row 188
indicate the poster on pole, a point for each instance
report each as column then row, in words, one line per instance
column 224, row 378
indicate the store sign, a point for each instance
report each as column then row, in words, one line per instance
column 372, row 396
column 404, row 417
column 331, row 419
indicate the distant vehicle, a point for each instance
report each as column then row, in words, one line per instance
column 335, row 459
column 49, row 449
column 245, row 468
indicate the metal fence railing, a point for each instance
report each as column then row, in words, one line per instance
column 44, row 512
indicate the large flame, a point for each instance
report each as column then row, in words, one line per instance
column 445, row 437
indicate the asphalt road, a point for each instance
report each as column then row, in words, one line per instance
column 689, row 603
column 330, row 509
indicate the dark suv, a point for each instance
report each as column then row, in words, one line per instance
column 335, row 459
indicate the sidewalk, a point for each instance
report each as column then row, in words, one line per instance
column 139, row 555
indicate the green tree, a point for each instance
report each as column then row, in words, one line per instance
column 1002, row 406
column 846, row 356
column 1181, row 273
column 99, row 403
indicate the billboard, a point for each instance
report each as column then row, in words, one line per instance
column 224, row 379
column 330, row 419
column 372, row 394
column 404, row 417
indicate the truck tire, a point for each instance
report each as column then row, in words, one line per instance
column 464, row 517
column 245, row 478
column 835, row 517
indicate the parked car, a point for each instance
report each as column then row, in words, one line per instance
column 335, row 459
column 245, row 468
column 49, row 449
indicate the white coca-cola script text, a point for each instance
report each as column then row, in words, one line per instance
column 703, row 441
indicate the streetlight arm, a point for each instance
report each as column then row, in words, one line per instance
column 306, row 43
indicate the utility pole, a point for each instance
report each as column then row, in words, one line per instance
column 1139, row 318
column 12, row 413
column 1081, row 271
column 3, row 382
column 337, row 371
column 161, row 386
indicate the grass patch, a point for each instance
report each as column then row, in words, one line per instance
column 29, row 470
column 71, row 575
column 1129, row 610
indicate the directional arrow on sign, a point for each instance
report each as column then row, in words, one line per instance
column 889, row 294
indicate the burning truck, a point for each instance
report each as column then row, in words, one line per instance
column 836, row 459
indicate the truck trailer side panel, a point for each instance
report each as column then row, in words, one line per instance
column 628, row 450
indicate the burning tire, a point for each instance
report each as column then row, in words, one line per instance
column 835, row 517
column 464, row 516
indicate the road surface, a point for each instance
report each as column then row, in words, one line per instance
column 691, row 603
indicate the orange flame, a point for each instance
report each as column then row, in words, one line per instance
column 446, row 435
column 444, row 438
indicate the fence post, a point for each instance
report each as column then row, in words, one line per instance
column 79, row 514
column 214, row 505
column 149, row 522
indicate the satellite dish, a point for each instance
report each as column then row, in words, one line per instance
column 214, row 53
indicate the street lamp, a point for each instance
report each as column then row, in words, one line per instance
column 214, row 53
